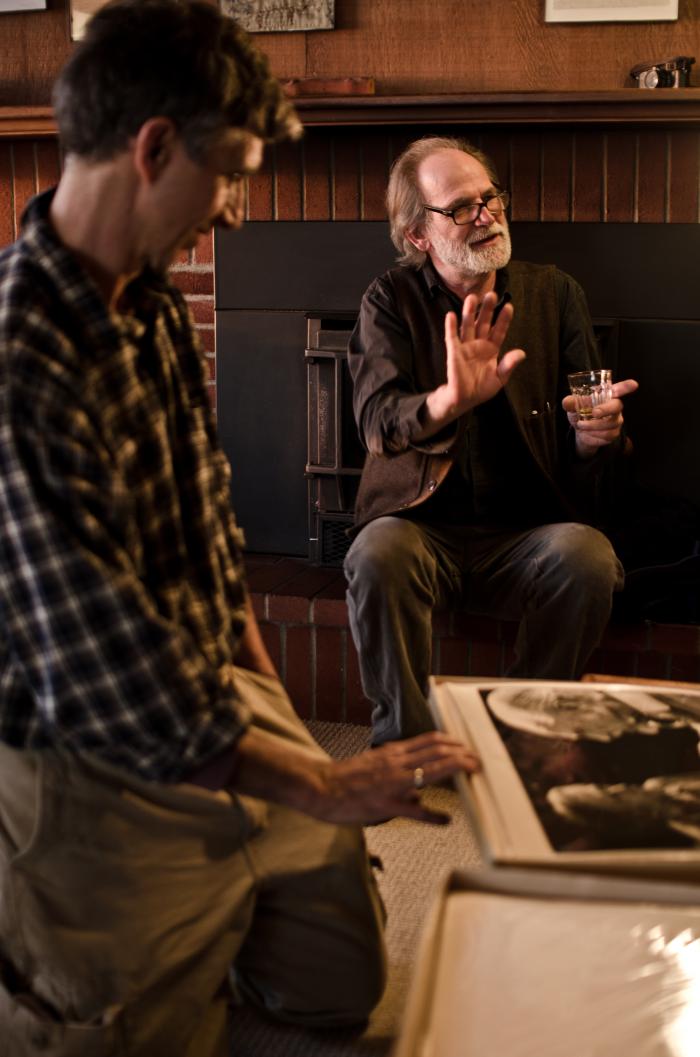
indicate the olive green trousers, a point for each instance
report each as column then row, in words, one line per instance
column 128, row 909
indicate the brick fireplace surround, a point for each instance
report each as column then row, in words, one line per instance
column 635, row 165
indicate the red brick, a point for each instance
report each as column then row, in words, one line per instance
column 297, row 669
column 270, row 576
column 190, row 282
column 329, row 606
column 330, row 612
column 485, row 659
column 308, row 581
column 204, row 250
column 317, row 194
column 496, row 144
column 556, row 175
column 202, row 310
column 48, row 163
column 24, row 177
column 675, row 638
column 588, row 192
column 620, row 170
column 288, row 176
column 684, row 176
column 375, row 173
column 270, row 634
column 289, row 609
column 651, row 180
column 258, row 602
column 346, row 170
column 260, row 191
column 330, row 675
column 7, row 226
column 525, row 176
column 207, row 336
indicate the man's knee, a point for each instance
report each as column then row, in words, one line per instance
column 385, row 549
column 586, row 556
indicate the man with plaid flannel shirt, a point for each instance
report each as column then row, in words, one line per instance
column 164, row 815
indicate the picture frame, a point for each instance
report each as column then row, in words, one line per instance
column 553, row 947
column 280, row 16
column 22, row 5
column 610, row 11
column 80, row 13
column 579, row 776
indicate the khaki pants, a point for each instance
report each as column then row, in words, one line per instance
column 124, row 904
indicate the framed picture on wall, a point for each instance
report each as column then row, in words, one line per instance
column 80, row 12
column 22, row 5
column 588, row 776
column 610, row 10
column 280, row 16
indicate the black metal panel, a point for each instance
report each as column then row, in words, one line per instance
column 261, row 401
column 634, row 270
column 314, row 266
column 662, row 417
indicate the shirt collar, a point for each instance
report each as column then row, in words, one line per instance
column 77, row 288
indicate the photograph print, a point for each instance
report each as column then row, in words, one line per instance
column 604, row 768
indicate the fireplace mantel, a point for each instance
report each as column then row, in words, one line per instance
column 678, row 107
column 629, row 106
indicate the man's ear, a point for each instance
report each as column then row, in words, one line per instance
column 153, row 147
column 417, row 239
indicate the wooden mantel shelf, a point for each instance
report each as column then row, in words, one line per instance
column 625, row 106
column 18, row 122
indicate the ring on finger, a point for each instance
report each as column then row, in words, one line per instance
column 418, row 778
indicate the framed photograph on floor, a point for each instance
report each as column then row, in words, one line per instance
column 587, row 776
column 610, row 10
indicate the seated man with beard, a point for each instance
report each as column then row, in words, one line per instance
column 480, row 482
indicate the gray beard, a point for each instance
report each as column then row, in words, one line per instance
column 472, row 263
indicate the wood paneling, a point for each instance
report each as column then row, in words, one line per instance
column 588, row 187
column 409, row 46
column 684, row 178
column 426, row 46
column 555, row 174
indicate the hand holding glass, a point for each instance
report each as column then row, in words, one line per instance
column 590, row 388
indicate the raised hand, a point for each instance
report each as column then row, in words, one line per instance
column 474, row 372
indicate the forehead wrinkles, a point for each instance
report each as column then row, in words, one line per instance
column 448, row 175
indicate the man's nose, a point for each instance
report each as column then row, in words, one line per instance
column 484, row 217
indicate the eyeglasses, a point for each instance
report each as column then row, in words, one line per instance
column 467, row 214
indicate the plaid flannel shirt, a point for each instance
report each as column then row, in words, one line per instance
column 122, row 598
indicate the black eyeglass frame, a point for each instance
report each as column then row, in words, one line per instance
column 503, row 196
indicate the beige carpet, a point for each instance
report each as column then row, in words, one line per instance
column 416, row 858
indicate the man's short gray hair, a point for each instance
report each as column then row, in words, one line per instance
column 404, row 202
